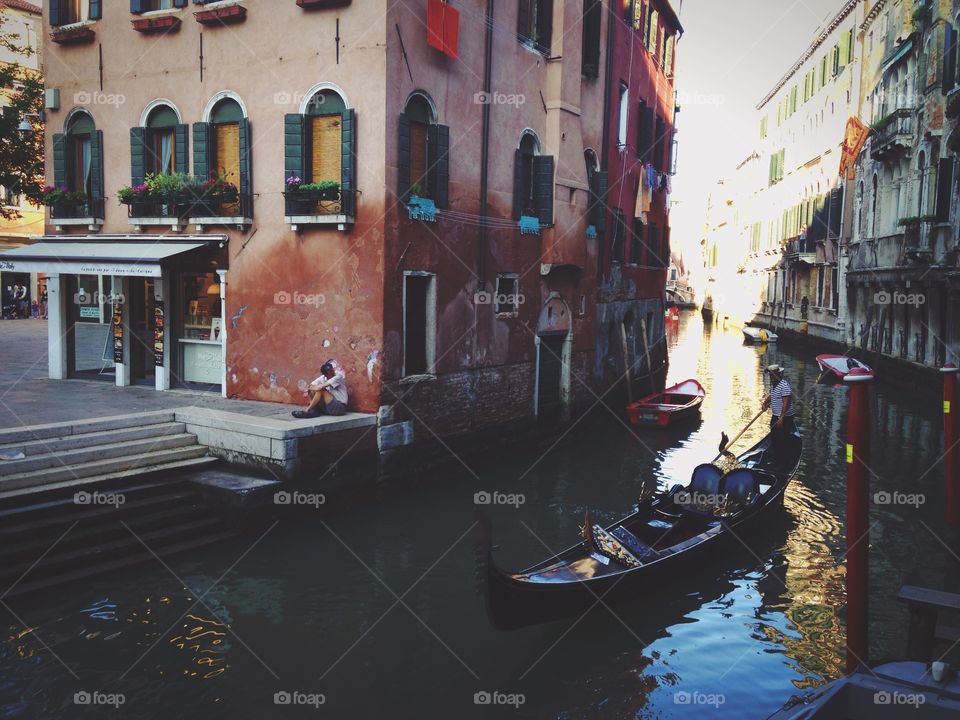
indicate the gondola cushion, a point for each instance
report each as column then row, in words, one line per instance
column 740, row 487
column 705, row 480
column 639, row 548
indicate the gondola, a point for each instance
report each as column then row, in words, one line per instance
column 668, row 534
column 833, row 368
column 675, row 404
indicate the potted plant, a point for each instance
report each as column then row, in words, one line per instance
column 65, row 203
column 325, row 189
column 137, row 197
column 169, row 190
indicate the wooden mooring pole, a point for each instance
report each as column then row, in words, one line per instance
column 951, row 441
column 859, row 382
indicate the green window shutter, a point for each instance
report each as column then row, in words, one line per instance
column 201, row 149
column 246, row 168
column 59, row 160
column 851, row 47
column 96, row 165
column 294, row 150
column 949, row 58
column 543, row 187
column 599, row 214
column 403, row 159
column 139, row 6
column 843, row 52
column 439, row 170
column 944, row 187
column 348, row 162
column 96, row 9
column 56, row 16
column 517, row 184
column 181, row 137
column 138, row 155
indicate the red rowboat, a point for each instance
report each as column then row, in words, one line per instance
column 675, row 404
column 835, row 367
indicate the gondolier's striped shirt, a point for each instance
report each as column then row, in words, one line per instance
column 776, row 399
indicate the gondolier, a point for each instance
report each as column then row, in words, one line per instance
column 783, row 409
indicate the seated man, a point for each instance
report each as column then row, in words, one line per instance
column 328, row 394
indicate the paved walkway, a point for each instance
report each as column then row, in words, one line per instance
column 28, row 397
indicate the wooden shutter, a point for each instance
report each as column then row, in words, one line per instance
column 403, row 158
column 179, row 3
column 590, row 60
column 518, row 198
column 439, row 148
column 96, row 165
column 419, row 163
column 843, row 51
column 543, row 187
column 246, row 167
column 55, row 13
column 139, row 6
column 59, row 160
column 201, row 149
column 645, row 133
column 949, row 74
column 95, row 11
column 523, row 19
column 944, row 184
column 836, row 212
column 348, row 161
column 226, row 139
column 658, row 144
column 654, row 31
column 294, row 146
column 181, row 138
column 138, row 155
column 325, row 148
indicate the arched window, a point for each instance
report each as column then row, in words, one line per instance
column 225, row 120
column 597, row 182
column 320, row 148
column 161, row 142
column 423, row 161
column 860, row 201
column 532, row 180
column 874, row 206
column 78, row 164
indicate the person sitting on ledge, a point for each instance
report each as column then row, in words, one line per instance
column 328, row 393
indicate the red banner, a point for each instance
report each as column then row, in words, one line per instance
column 853, row 139
column 443, row 27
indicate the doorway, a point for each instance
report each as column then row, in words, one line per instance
column 550, row 375
column 142, row 359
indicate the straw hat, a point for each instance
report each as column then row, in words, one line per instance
column 775, row 369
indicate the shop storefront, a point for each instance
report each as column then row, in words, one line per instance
column 134, row 310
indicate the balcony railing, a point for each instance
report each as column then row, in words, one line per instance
column 893, row 134
column 82, row 210
column 799, row 247
column 320, row 207
column 222, row 209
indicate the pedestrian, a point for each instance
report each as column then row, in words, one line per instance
column 328, row 393
column 43, row 302
column 783, row 409
column 23, row 304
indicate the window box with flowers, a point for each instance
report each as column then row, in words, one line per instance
column 162, row 200
column 156, row 24
column 529, row 222
column 216, row 201
column 73, row 35
column 68, row 207
column 420, row 206
column 319, row 203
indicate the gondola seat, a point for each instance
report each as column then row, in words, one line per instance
column 740, row 487
column 705, row 480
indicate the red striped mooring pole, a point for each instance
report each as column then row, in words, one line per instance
column 858, row 502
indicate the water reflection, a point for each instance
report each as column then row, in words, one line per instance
column 758, row 625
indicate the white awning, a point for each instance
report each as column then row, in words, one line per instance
column 126, row 255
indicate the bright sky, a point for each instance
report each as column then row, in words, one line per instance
column 731, row 54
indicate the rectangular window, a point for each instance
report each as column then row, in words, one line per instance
column 668, row 61
column 638, row 8
column 535, row 23
column 644, row 131
column 764, row 126
column 418, row 156
column 159, row 4
column 636, row 243
column 326, row 149
column 659, row 143
column 592, row 17
column 81, row 165
column 654, row 32
column 226, row 152
column 71, row 11
column 507, row 301
column 624, row 115
column 419, row 324
column 616, row 250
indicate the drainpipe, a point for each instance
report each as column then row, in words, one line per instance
column 485, row 150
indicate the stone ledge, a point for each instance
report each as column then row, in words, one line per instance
column 272, row 428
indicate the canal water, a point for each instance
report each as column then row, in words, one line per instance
column 372, row 609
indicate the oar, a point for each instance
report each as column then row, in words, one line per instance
column 724, row 445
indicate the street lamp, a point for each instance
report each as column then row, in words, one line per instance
column 25, row 125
